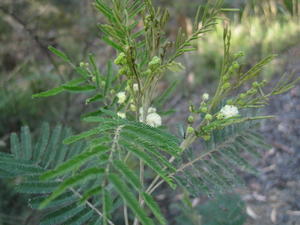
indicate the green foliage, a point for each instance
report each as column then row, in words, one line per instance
column 118, row 146
column 30, row 160
column 214, row 169
column 225, row 209
column 89, row 177
column 129, row 199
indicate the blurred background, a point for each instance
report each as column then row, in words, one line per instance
column 28, row 27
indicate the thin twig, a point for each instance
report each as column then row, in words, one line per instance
column 126, row 215
column 92, row 206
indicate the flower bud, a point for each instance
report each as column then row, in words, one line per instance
column 226, row 85
column 190, row 130
column 220, row 116
column 191, row 119
column 208, row 117
column 203, row 109
column 255, row 84
column 132, row 107
column 102, row 83
column 154, row 63
column 235, row 65
column 226, row 77
column 121, row 59
column 123, row 71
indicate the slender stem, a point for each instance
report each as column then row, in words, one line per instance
column 142, row 172
column 113, row 148
column 126, row 215
column 92, row 207
column 142, row 165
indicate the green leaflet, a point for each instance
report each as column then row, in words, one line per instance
column 217, row 164
column 106, row 205
column 135, row 9
column 152, row 135
column 58, row 90
column 108, row 78
column 91, row 192
column 81, row 136
column 104, row 9
column 42, row 143
column 156, row 137
column 254, row 71
column 19, row 168
column 151, row 148
column 128, row 174
column 80, row 218
column 112, row 43
column 151, row 203
column 64, row 199
column 234, row 157
column 26, row 143
column 175, row 66
column 49, row 152
column 66, row 150
column 53, row 143
column 74, row 162
column 60, row 54
column 149, row 161
column 95, row 98
column 129, row 199
column 79, row 89
column 73, row 181
column 61, row 215
column 37, row 187
column 15, row 145
column 166, row 94
column 49, row 93
column 96, row 71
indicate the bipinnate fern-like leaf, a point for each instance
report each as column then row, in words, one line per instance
column 73, row 181
column 213, row 170
column 28, row 160
column 111, row 140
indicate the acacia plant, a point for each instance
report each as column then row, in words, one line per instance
column 99, row 175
